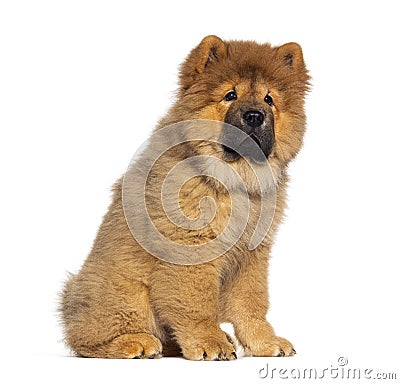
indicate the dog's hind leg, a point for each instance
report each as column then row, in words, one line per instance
column 112, row 320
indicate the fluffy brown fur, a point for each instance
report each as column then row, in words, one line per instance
column 125, row 303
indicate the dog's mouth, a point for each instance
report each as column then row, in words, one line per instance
column 250, row 148
column 231, row 151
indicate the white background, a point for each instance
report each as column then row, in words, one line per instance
column 82, row 83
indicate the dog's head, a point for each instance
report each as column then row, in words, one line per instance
column 258, row 88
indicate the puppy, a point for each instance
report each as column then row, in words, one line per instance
column 185, row 243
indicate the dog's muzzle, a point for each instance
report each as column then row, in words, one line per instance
column 258, row 125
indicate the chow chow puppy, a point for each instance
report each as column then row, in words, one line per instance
column 130, row 302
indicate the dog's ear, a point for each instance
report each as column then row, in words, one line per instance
column 211, row 49
column 290, row 55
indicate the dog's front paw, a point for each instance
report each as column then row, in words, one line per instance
column 209, row 347
column 273, row 347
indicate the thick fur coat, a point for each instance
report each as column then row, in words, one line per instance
column 126, row 303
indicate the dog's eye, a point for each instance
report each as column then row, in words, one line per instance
column 268, row 100
column 230, row 96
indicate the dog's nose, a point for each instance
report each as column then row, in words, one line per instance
column 253, row 118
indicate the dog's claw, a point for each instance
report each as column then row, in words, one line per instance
column 281, row 353
column 219, row 357
column 139, row 356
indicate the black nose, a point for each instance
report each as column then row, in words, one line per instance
column 253, row 118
